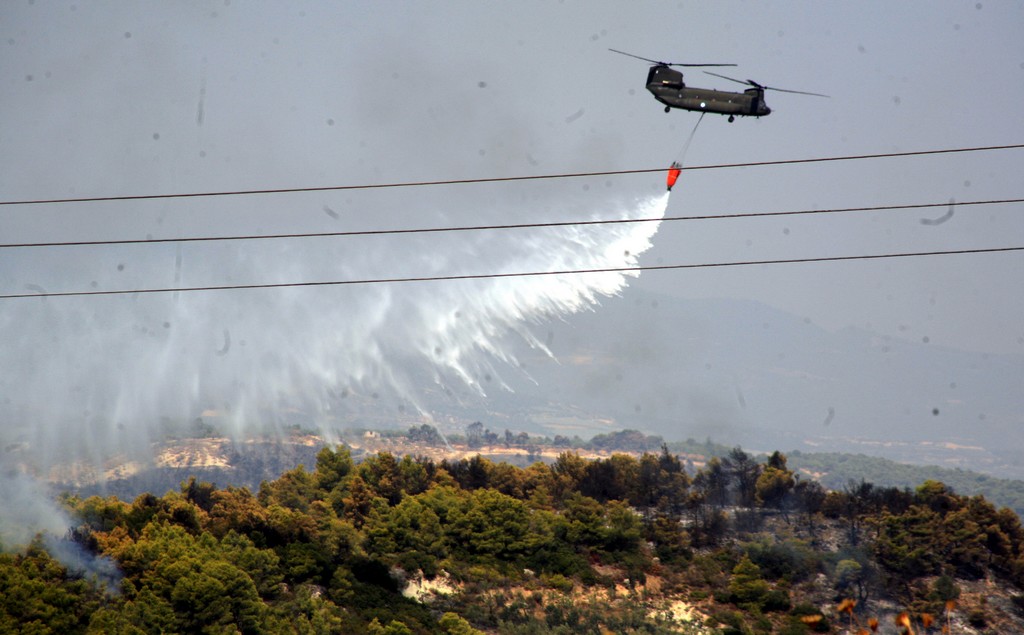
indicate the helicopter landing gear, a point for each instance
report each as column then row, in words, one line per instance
column 731, row 118
column 668, row 108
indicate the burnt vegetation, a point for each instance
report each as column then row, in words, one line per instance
column 630, row 543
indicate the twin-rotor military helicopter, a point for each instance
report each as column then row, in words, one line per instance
column 667, row 86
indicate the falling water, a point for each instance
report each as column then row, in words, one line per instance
column 86, row 378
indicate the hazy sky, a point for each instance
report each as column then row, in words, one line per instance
column 123, row 98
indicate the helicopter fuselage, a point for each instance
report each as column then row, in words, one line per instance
column 667, row 86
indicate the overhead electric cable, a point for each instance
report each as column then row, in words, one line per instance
column 426, row 230
column 328, row 188
column 279, row 285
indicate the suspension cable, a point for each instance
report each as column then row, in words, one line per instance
column 139, row 197
column 59, row 294
column 428, row 230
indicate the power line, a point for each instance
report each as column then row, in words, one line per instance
column 328, row 188
column 482, row 276
column 426, row 230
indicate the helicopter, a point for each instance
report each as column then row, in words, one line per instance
column 667, row 86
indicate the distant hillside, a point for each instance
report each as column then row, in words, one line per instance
column 744, row 373
column 835, row 471
column 219, row 461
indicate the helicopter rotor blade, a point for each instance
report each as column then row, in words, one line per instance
column 678, row 64
column 796, row 92
column 733, row 79
column 751, row 82
column 638, row 57
column 659, row 63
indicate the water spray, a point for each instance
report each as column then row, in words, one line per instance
column 102, row 378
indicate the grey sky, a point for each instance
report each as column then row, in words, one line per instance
column 120, row 98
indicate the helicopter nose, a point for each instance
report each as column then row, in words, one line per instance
column 767, row 110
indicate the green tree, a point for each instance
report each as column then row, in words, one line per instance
column 199, row 493
column 198, row 579
column 964, row 544
column 426, row 434
column 145, row 612
column 509, row 480
column 850, row 580
column 452, row 624
column 37, row 595
column 936, row 496
column 236, row 509
column 295, row 490
column 359, row 502
column 671, row 543
column 394, row 627
column 789, row 559
column 711, row 484
column 569, row 470
column 609, row 479
column 744, row 471
column 746, row 586
column 908, row 545
column 774, row 485
column 415, row 475
column 492, row 524
column 332, row 467
column 944, row 589
column 472, row 473
column 215, row 596
column 623, row 528
column 585, row 521
column 100, row 514
column 408, row 534
column 661, row 483
column 381, row 474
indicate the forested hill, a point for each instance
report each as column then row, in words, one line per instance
column 218, row 460
column 836, row 470
column 623, row 544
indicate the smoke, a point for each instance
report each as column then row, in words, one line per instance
column 29, row 511
column 94, row 378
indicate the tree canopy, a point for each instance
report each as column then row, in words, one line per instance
column 333, row 548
